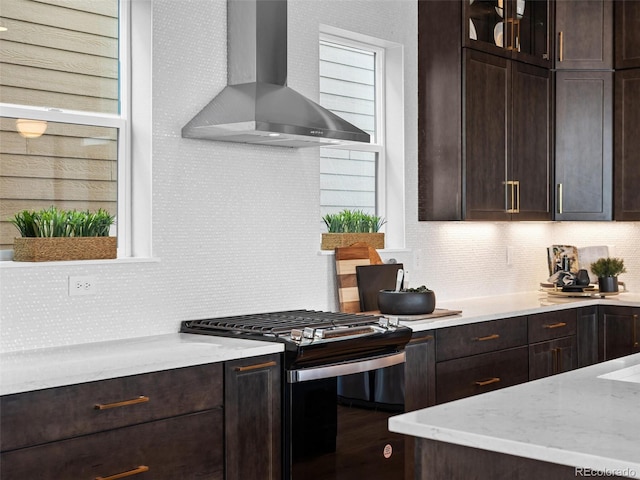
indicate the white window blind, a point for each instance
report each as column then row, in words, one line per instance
column 348, row 175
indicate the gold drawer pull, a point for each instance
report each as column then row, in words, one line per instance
column 495, row 336
column 106, row 406
column 135, row 471
column 555, row 325
column 257, row 366
column 482, row 383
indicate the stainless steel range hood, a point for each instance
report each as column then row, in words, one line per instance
column 257, row 106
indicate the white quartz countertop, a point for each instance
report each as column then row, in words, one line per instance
column 576, row 418
column 482, row 309
column 53, row 367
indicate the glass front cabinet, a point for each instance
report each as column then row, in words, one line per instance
column 516, row 29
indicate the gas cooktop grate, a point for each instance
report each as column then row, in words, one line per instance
column 281, row 323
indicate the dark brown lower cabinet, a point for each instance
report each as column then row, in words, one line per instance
column 554, row 356
column 253, row 418
column 619, row 332
column 467, row 376
column 188, row 446
column 587, row 336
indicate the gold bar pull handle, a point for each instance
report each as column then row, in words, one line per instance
column 482, row 383
column 512, row 205
column 554, row 325
column 516, row 187
column 494, row 336
column 124, row 403
column 257, row 366
column 559, row 198
column 560, row 48
column 129, row 473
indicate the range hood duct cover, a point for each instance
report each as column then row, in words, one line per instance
column 256, row 106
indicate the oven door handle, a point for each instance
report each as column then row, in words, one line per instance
column 340, row 369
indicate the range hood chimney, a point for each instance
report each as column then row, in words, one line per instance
column 256, row 106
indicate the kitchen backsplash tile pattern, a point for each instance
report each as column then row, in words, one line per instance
column 237, row 227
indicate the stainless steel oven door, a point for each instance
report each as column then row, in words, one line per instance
column 336, row 420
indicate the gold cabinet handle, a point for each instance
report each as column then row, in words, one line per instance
column 494, row 336
column 559, row 198
column 512, row 205
column 124, row 403
column 482, row 383
column 135, row 471
column 555, row 325
column 257, row 366
column 516, row 186
column 560, row 49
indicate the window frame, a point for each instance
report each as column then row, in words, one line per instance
column 133, row 124
column 389, row 121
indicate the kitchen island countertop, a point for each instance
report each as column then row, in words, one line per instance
column 57, row 366
column 577, row 418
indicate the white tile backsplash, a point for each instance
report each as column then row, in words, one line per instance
column 236, row 228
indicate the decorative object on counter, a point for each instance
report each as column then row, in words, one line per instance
column 588, row 255
column 373, row 278
column 352, row 226
column 562, row 258
column 582, row 277
column 412, row 301
column 52, row 234
column 607, row 270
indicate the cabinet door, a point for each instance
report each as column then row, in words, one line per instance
column 619, row 332
column 531, row 21
column 485, row 137
column 529, row 174
column 584, row 34
column 627, row 144
column 587, row 336
column 627, row 33
column 551, row 357
column 253, row 418
column 584, row 145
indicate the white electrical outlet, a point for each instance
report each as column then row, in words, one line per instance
column 85, row 285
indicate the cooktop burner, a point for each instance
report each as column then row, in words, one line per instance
column 309, row 335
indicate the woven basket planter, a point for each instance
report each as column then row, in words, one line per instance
column 332, row 240
column 48, row 249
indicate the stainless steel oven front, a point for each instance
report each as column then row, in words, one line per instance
column 335, row 422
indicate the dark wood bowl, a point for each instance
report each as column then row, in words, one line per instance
column 406, row 303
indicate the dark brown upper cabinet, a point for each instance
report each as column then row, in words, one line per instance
column 627, row 33
column 484, row 143
column 583, row 145
column 583, row 35
column 627, row 145
column 505, row 141
column 515, row 29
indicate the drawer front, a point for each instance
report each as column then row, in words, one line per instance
column 547, row 326
column 42, row 416
column 483, row 337
column 189, row 446
column 469, row 376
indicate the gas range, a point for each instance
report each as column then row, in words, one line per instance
column 311, row 337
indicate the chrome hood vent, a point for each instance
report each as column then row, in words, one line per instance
column 257, row 106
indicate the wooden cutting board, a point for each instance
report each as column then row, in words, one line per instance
column 347, row 259
column 373, row 278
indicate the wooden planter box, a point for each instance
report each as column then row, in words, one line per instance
column 332, row 240
column 48, row 249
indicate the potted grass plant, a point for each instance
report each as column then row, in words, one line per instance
column 607, row 270
column 352, row 226
column 54, row 234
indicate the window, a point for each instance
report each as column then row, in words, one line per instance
column 350, row 87
column 64, row 111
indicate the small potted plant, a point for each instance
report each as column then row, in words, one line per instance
column 607, row 270
column 53, row 234
column 352, row 226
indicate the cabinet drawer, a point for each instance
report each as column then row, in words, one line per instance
column 189, row 446
column 42, row 416
column 469, row 376
column 483, row 337
column 547, row 326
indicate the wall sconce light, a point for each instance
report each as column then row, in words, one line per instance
column 31, row 128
